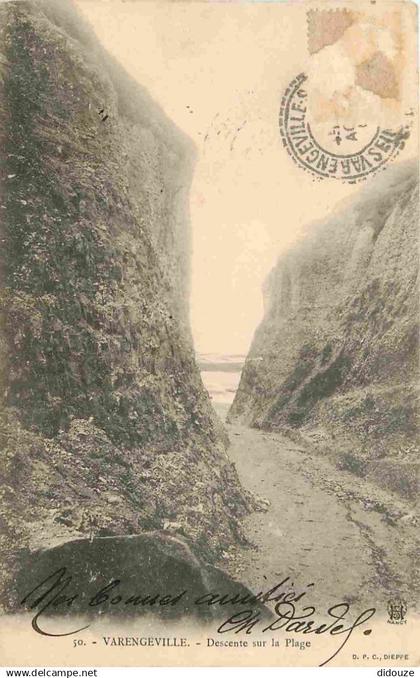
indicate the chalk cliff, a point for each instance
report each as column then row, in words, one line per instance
column 336, row 355
column 105, row 426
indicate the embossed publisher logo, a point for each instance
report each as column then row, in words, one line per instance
column 397, row 610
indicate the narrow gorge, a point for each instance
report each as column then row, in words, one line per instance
column 116, row 467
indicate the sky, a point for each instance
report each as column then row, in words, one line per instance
column 219, row 70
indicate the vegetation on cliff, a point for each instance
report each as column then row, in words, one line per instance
column 105, row 426
column 336, row 355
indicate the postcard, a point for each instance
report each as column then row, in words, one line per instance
column 209, row 333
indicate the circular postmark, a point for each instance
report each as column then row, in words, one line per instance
column 335, row 151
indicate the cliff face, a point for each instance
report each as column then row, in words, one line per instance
column 336, row 355
column 105, row 426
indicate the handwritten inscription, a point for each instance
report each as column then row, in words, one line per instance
column 58, row 592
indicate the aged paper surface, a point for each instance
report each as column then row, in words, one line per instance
column 209, row 333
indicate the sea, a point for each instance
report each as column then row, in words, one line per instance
column 221, row 375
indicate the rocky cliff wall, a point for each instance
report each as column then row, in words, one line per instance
column 105, row 426
column 336, row 355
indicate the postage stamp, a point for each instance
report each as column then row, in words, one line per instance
column 347, row 116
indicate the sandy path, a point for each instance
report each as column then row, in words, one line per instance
column 315, row 529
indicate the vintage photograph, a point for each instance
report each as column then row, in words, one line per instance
column 209, row 333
